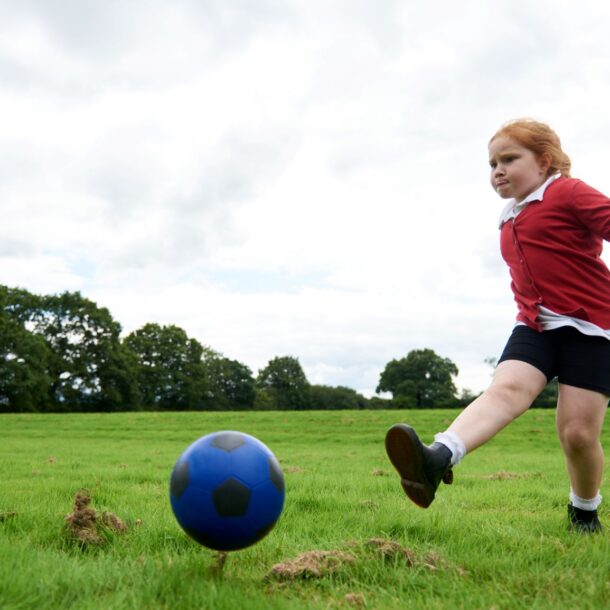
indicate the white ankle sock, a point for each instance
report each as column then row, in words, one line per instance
column 583, row 504
column 454, row 443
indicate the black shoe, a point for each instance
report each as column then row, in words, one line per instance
column 584, row 521
column 421, row 468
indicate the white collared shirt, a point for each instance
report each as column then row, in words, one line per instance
column 512, row 208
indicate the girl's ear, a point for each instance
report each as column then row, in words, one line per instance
column 545, row 162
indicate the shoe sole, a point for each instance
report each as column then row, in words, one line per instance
column 405, row 451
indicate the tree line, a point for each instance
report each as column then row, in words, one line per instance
column 64, row 353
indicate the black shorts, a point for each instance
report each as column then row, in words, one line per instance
column 575, row 359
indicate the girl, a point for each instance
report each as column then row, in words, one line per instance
column 551, row 233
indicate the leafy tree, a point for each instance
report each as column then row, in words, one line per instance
column 334, row 398
column 230, row 383
column 466, row 397
column 118, row 379
column 547, row 399
column 19, row 304
column 264, row 400
column 25, row 384
column 376, row 402
column 171, row 374
column 421, row 380
column 86, row 364
column 285, row 383
column 90, row 368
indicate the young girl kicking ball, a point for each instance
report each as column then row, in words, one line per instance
column 551, row 234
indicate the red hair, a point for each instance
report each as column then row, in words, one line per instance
column 541, row 140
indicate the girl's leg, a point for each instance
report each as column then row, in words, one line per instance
column 580, row 417
column 514, row 387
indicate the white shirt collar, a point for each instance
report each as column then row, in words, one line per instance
column 512, row 208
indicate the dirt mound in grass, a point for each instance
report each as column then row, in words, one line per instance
column 390, row 549
column 87, row 526
column 355, row 599
column 380, row 472
column 312, row 564
column 509, row 476
column 318, row 564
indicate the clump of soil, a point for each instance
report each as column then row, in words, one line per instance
column 318, row 564
column 389, row 549
column 293, row 469
column 379, row 472
column 502, row 476
column 509, row 476
column 312, row 564
column 355, row 599
column 87, row 526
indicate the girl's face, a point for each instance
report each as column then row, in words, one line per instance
column 515, row 170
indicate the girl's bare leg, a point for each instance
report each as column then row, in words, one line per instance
column 580, row 417
column 514, row 387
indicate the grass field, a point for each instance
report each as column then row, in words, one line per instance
column 497, row 538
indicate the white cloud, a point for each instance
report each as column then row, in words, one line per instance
column 286, row 178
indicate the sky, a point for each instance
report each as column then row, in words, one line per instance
column 303, row 178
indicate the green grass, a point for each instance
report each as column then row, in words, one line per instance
column 497, row 538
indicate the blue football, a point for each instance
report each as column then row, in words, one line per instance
column 227, row 490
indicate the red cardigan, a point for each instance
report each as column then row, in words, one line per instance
column 553, row 251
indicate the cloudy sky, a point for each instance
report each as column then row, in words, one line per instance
column 287, row 177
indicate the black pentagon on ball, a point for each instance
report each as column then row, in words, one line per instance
column 179, row 480
column 228, row 440
column 276, row 475
column 231, row 498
